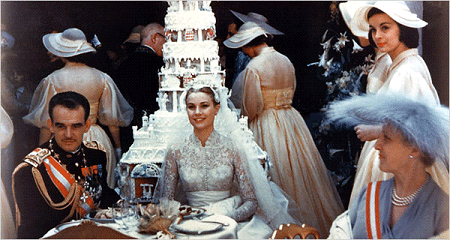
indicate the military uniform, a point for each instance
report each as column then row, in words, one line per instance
column 34, row 212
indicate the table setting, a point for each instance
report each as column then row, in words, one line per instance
column 166, row 220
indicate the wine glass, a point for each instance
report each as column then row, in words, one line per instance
column 119, row 212
column 131, row 218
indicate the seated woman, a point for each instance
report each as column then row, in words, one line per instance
column 209, row 165
column 411, row 204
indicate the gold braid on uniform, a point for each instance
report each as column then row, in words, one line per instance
column 75, row 191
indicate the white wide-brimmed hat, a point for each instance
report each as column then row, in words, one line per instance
column 71, row 42
column 348, row 10
column 397, row 10
column 247, row 32
column 259, row 19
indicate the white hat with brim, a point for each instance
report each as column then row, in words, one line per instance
column 247, row 32
column 71, row 42
column 348, row 10
column 397, row 10
column 259, row 19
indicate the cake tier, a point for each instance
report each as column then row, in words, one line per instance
column 177, row 5
column 170, row 79
column 189, row 20
column 145, row 155
column 207, row 50
column 187, row 35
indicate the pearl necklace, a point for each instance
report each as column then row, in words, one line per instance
column 404, row 201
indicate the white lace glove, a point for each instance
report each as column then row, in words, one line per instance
column 245, row 211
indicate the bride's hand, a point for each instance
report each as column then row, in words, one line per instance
column 368, row 132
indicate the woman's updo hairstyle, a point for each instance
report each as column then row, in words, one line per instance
column 408, row 36
column 208, row 90
column 424, row 157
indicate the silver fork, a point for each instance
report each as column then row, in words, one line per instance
column 224, row 224
column 207, row 221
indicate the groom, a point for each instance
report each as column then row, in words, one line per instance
column 65, row 178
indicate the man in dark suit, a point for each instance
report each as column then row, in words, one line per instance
column 65, row 178
column 137, row 77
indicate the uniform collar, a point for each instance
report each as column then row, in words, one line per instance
column 63, row 155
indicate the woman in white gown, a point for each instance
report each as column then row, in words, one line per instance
column 6, row 133
column 393, row 30
column 268, row 88
column 215, row 173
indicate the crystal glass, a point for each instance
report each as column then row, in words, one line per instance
column 131, row 218
column 120, row 210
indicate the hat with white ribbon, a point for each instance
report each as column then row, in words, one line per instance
column 397, row 10
column 247, row 32
column 71, row 42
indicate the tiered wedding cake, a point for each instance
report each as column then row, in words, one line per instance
column 191, row 58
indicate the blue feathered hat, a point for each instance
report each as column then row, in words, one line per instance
column 422, row 124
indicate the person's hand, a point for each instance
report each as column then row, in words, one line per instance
column 368, row 132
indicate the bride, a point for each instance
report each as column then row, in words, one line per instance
column 217, row 173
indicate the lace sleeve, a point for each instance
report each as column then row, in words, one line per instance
column 170, row 178
column 246, row 191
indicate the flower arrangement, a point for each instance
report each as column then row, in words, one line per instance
column 343, row 67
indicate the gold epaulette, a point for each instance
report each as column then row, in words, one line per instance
column 94, row 145
column 37, row 156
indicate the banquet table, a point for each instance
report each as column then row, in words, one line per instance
column 229, row 230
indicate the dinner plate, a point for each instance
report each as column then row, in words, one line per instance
column 91, row 216
column 65, row 225
column 197, row 227
column 196, row 212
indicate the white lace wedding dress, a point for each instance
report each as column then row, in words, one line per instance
column 219, row 177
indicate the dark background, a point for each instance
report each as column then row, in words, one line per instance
column 303, row 23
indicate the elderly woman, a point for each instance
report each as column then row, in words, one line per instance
column 411, row 204
column 393, row 29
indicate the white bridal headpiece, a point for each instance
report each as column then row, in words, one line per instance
column 424, row 125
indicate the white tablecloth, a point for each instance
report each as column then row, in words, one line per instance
column 229, row 231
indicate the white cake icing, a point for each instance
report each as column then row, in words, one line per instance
column 206, row 50
column 189, row 20
column 191, row 58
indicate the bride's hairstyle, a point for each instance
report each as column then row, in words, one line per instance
column 205, row 89
column 409, row 36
